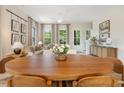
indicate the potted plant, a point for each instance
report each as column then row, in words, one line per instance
column 93, row 40
column 60, row 51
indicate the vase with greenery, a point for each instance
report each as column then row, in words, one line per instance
column 60, row 51
column 93, row 40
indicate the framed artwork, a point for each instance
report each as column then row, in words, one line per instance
column 104, row 26
column 15, row 25
column 103, row 37
column 104, row 31
column 23, row 39
column 23, row 28
column 14, row 38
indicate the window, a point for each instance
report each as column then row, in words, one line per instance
column 88, row 34
column 62, row 34
column 63, row 37
column 47, row 34
column 76, row 37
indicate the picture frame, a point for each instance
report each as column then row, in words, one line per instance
column 23, row 39
column 104, row 31
column 104, row 25
column 14, row 38
column 23, row 28
column 15, row 25
column 103, row 37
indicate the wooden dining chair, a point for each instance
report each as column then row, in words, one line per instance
column 118, row 68
column 96, row 81
column 3, row 62
column 28, row 81
column 118, row 65
column 123, row 76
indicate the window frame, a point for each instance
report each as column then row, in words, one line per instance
column 64, row 28
column 76, row 38
column 48, row 31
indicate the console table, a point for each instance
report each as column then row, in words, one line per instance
column 103, row 51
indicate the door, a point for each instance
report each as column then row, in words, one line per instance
column 78, row 41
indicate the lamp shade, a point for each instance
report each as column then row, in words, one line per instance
column 17, row 45
column 40, row 43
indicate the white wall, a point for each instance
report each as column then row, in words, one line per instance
column 6, row 28
column 116, row 16
column 82, row 27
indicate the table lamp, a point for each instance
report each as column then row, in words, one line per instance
column 17, row 47
column 40, row 43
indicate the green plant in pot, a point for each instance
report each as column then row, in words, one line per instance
column 60, row 51
column 93, row 40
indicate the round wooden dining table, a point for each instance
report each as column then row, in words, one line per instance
column 47, row 66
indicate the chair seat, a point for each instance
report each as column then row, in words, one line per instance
column 96, row 81
column 117, row 76
column 5, row 76
column 27, row 81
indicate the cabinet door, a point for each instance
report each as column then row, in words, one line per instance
column 112, row 52
column 95, row 51
column 92, row 50
column 99, row 51
column 105, row 52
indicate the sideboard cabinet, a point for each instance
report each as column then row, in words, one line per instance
column 102, row 51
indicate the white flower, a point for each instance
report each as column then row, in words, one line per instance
column 67, row 45
column 56, row 50
column 62, row 46
column 60, row 49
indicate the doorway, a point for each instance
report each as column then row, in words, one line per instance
column 78, row 38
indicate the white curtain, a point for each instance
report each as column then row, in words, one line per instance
column 41, row 32
column 67, row 33
column 29, row 31
column 32, row 23
column 53, row 33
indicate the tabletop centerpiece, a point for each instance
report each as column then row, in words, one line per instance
column 60, row 51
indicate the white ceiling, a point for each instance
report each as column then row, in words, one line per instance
column 66, row 13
